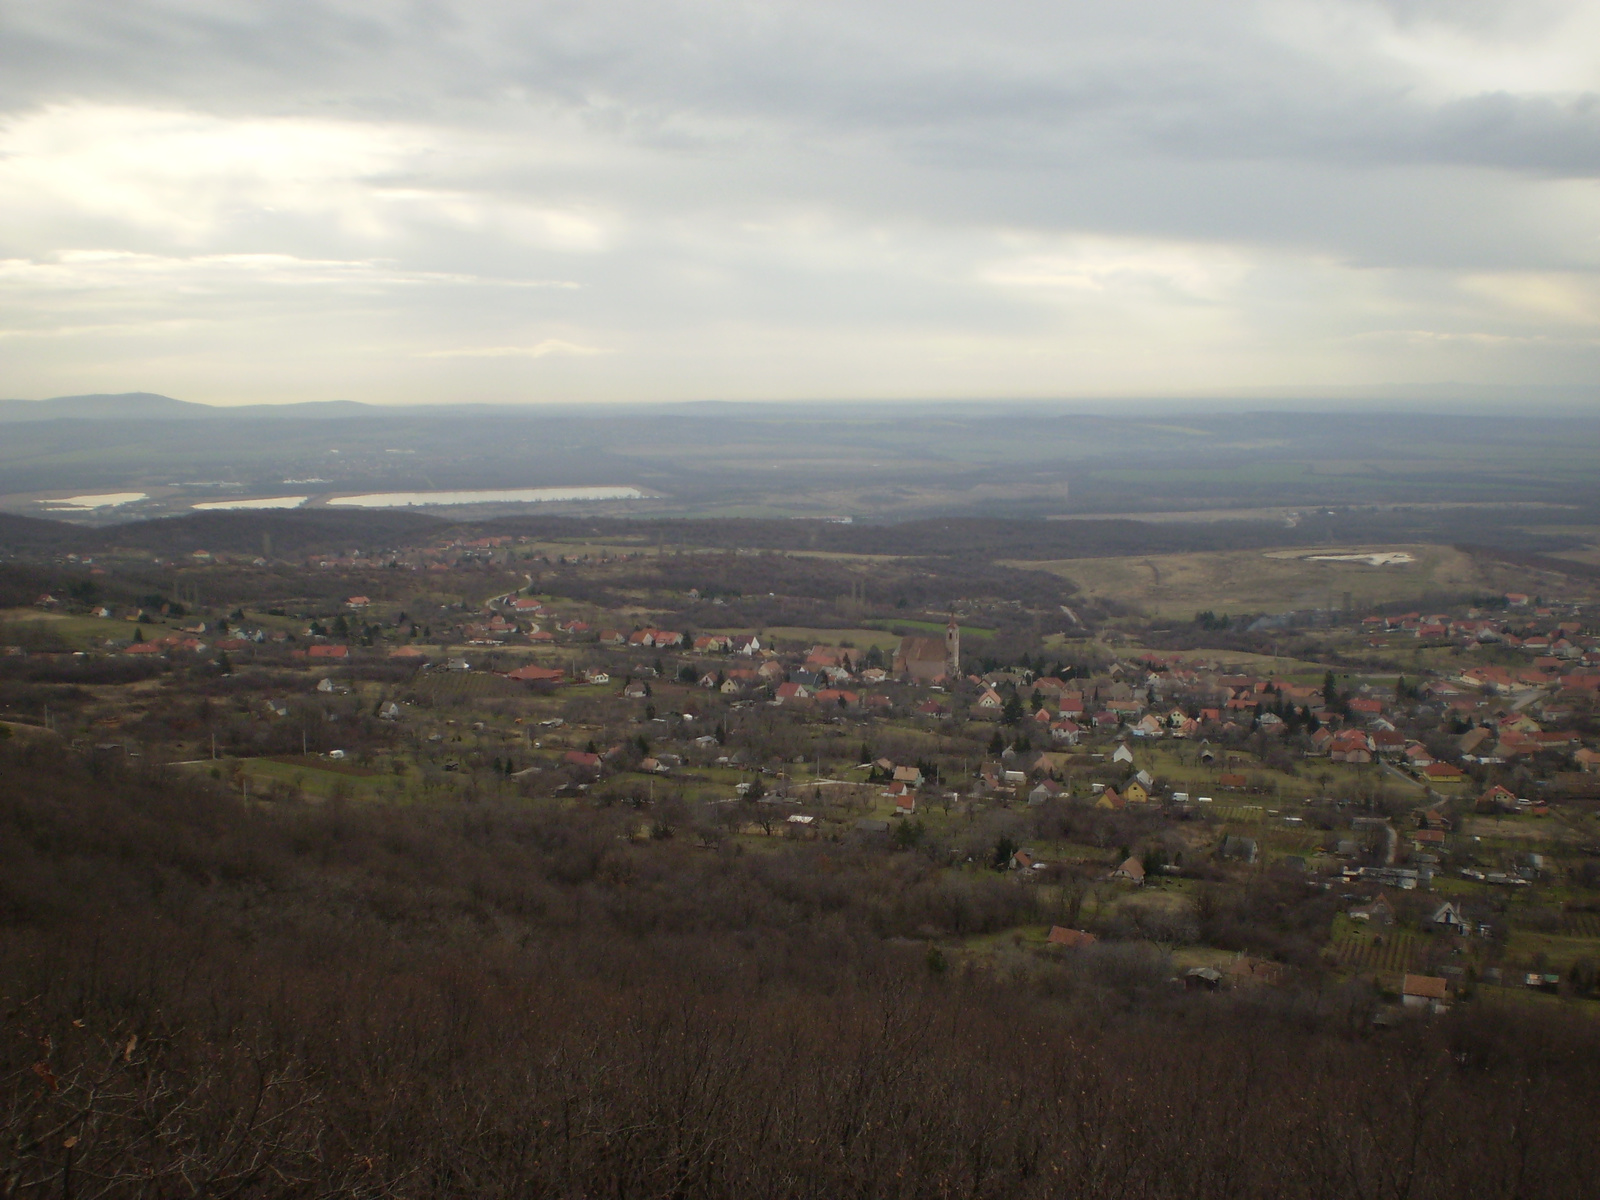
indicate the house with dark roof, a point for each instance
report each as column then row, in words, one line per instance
column 1242, row 848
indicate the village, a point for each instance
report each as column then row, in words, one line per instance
column 1421, row 800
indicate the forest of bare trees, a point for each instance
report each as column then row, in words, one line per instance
column 202, row 998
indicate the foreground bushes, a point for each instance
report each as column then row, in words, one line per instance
column 206, row 1000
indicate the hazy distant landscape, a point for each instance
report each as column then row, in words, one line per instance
column 1323, row 475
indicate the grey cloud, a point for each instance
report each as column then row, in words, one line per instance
column 1032, row 83
column 844, row 170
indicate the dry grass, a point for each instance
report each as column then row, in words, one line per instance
column 1179, row 585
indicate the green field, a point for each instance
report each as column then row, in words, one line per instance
column 315, row 778
column 861, row 639
column 1176, row 763
column 1174, row 586
column 31, row 627
column 967, row 631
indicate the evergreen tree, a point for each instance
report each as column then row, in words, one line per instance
column 907, row 834
column 1003, row 850
column 1012, row 713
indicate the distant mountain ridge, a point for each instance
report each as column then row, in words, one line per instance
column 151, row 406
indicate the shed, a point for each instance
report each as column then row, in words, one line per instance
column 1131, row 870
column 1202, row 979
column 1242, row 848
column 1431, row 992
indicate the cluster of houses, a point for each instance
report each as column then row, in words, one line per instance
column 1439, row 728
column 1500, row 713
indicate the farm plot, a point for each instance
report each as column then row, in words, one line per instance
column 468, row 685
column 1393, row 953
column 1581, row 924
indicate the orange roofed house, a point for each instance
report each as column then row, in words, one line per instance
column 1073, row 939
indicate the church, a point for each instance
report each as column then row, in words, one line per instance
column 928, row 659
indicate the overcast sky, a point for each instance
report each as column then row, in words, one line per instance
column 519, row 201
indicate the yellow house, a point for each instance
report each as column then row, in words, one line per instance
column 1135, row 793
column 1110, row 799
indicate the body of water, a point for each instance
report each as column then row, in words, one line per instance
column 103, row 500
column 542, row 495
column 263, row 502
